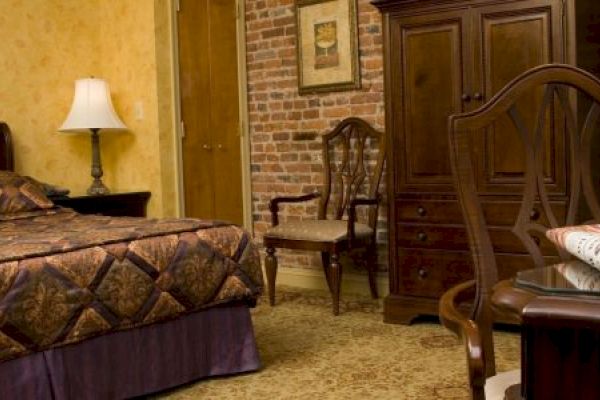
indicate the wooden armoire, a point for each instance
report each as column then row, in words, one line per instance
column 450, row 56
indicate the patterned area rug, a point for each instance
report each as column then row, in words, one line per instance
column 309, row 354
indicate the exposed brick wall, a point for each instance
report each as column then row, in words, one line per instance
column 285, row 127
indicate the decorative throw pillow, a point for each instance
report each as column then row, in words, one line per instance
column 582, row 241
column 49, row 189
column 18, row 194
column 580, row 275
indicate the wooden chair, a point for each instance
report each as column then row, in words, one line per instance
column 352, row 173
column 562, row 91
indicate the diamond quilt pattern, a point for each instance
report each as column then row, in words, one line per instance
column 125, row 288
column 65, row 277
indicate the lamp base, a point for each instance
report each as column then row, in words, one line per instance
column 98, row 188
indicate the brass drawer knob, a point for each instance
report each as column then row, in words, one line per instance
column 421, row 211
column 422, row 236
column 422, row 273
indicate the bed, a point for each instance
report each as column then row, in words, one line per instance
column 95, row 307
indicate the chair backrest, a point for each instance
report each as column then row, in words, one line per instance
column 6, row 151
column 563, row 94
column 353, row 161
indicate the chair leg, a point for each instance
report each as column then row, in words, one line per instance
column 372, row 269
column 325, row 262
column 271, row 269
column 335, row 270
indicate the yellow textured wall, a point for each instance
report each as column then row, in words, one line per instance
column 166, row 107
column 47, row 44
column 127, row 45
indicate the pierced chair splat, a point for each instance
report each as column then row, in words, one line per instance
column 353, row 161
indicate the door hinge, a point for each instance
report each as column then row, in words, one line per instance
column 182, row 130
column 238, row 9
column 178, row 5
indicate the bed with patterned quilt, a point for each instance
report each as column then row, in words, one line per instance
column 95, row 307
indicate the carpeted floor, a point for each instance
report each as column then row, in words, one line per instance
column 309, row 354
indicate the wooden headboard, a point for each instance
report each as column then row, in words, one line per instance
column 7, row 161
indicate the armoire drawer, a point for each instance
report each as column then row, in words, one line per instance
column 429, row 211
column 447, row 237
column 429, row 273
column 496, row 212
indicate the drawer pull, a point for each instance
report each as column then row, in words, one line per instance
column 422, row 273
column 422, row 236
column 421, row 211
column 534, row 215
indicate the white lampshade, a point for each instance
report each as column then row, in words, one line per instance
column 92, row 108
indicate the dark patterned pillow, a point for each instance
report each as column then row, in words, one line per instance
column 49, row 189
column 18, row 194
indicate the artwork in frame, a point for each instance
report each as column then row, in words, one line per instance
column 327, row 45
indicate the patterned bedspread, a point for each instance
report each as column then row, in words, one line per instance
column 65, row 277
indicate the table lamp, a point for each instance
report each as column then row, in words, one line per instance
column 92, row 109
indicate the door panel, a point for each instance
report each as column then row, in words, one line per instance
column 224, row 116
column 431, row 77
column 194, row 73
column 513, row 39
column 212, row 171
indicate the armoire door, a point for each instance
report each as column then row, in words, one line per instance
column 511, row 38
column 428, row 53
column 208, row 75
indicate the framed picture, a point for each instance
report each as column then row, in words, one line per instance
column 327, row 46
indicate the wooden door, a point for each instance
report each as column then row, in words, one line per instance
column 509, row 39
column 208, row 74
column 428, row 54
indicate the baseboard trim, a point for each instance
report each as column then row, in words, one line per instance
column 315, row 279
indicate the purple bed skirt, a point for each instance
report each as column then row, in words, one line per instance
column 216, row 341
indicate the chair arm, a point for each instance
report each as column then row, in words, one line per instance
column 466, row 329
column 363, row 201
column 274, row 204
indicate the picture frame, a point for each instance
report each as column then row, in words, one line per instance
column 327, row 45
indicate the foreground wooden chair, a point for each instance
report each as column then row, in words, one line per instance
column 352, row 173
column 548, row 199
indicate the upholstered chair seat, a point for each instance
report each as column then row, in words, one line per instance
column 495, row 386
column 318, row 230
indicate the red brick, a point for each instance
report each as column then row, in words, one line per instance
column 364, row 109
column 259, row 25
column 284, row 21
column 269, row 33
column 310, row 114
column 376, row 63
column 335, row 112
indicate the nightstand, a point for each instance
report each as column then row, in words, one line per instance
column 115, row 204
